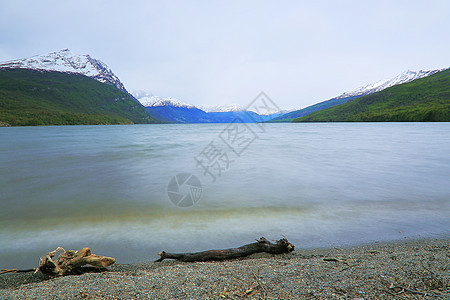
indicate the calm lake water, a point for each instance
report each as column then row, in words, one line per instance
column 320, row 185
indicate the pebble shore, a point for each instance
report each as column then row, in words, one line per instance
column 411, row 269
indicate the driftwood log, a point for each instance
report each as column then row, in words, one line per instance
column 68, row 262
column 261, row 245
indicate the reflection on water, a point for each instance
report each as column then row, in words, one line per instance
column 318, row 184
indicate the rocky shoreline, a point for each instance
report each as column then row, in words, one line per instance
column 410, row 269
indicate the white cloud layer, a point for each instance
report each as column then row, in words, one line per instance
column 219, row 52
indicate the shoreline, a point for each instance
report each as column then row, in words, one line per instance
column 408, row 269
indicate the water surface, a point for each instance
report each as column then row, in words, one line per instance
column 320, row 185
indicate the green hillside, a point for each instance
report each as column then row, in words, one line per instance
column 422, row 100
column 288, row 117
column 29, row 97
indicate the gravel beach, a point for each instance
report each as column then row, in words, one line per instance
column 411, row 269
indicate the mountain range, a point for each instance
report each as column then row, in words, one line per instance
column 63, row 88
column 171, row 110
column 369, row 89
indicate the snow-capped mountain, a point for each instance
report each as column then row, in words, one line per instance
column 405, row 77
column 65, row 61
column 140, row 94
column 222, row 108
column 152, row 101
column 171, row 110
column 235, row 108
column 147, row 99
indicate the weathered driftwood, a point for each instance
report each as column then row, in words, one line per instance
column 261, row 245
column 69, row 262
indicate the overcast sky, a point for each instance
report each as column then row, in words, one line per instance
column 222, row 52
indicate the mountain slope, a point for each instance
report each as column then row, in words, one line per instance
column 34, row 97
column 405, row 77
column 422, row 100
column 65, row 61
column 288, row 117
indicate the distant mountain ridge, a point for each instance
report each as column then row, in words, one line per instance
column 169, row 109
column 222, row 108
column 404, row 77
column 369, row 89
column 153, row 101
column 426, row 99
column 67, row 62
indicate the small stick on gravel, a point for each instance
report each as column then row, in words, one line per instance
column 334, row 259
column 346, row 268
column 394, row 294
column 260, row 284
column 401, row 290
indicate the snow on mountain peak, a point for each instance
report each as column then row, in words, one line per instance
column 149, row 100
column 141, row 94
column 65, row 61
column 404, row 77
column 223, row 108
column 152, row 101
column 236, row 108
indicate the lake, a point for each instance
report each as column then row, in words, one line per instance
column 133, row 191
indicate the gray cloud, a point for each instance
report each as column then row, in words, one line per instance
column 217, row 52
